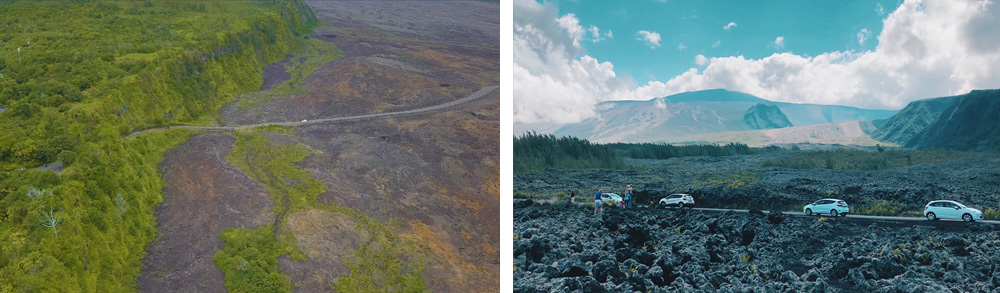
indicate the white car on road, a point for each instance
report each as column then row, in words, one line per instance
column 678, row 199
column 611, row 197
column 949, row 209
column 834, row 207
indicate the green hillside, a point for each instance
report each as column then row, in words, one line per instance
column 969, row 123
column 75, row 78
column 911, row 120
column 964, row 122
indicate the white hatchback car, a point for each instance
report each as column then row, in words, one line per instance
column 834, row 207
column 611, row 197
column 678, row 199
column 949, row 209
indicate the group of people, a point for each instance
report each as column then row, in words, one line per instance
column 599, row 200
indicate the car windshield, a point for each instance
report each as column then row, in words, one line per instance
column 961, row 206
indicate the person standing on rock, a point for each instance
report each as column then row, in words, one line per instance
column 598, row 204
column 627, row 200
column 572, row 195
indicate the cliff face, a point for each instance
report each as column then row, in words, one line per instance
column 764, row 116
column 969, row 123
column 910, row 121
column 965, row 122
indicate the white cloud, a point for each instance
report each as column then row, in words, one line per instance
column 863, row 35
column 595, row 34
column 779, row 42
column 609, row 34
column 571, row 24
column 700, row 60
column 681, row 47
column 928, row 48
column 879, row 9
column 729, row 26
column 552, row 84
column 717, row 44
column 652, row 37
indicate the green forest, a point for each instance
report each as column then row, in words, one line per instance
column 75, row 78
column 535, row 152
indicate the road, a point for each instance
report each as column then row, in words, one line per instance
column 919, row 220
column 474, row 96
column 849, row 216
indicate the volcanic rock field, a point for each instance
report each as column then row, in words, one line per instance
column 563, row 248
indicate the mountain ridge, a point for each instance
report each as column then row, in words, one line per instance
column 699, row 112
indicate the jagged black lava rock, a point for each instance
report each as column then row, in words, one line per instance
column 567, row 249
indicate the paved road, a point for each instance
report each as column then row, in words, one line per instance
column 476, row 95
column 849, row 216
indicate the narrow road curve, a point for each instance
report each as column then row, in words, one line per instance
column 474, row 96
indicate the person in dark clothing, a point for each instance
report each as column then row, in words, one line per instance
column 627, row 200
column 598, row 203
column 572, row 195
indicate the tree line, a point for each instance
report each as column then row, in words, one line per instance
column 534, row 152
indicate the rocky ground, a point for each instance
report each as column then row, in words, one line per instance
column 741, row 181
column 435, row 174
column 204, row 195
column 559, row 248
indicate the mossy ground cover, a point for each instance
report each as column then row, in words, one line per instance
column 78, row 76
column 308, row 55
column 379, row 265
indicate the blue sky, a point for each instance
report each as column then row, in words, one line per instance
column 785, row 51
column 807, row 27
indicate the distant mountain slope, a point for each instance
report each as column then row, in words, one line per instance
column 701, row 112
column 970, row 122
column 911, row 120
column 843, row 133
column 764, row 116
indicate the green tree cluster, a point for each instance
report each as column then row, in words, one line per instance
column 76, row 76
column 666, row 151
column 534, row 152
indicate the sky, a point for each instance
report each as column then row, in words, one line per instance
column 571, row 55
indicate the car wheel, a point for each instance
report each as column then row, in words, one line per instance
column 809, row 212
column 833, row 213
column 680, row 205
column 663, row 205
column 931, row 217
column 967, row 217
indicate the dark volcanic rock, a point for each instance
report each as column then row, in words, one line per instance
column 666, row 250
column 775, row 217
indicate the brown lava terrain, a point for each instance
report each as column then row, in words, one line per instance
column 204, row 195
column 436, row 174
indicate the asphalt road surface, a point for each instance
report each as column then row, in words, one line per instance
column 849, row 216
column 476, row 95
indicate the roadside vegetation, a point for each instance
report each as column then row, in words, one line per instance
column 75, row 77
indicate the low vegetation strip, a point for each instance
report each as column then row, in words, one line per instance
column 864, row 160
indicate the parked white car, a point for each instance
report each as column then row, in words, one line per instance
column 611, row 197
column 834, row 207
column 949, row 209
column 678, row 199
